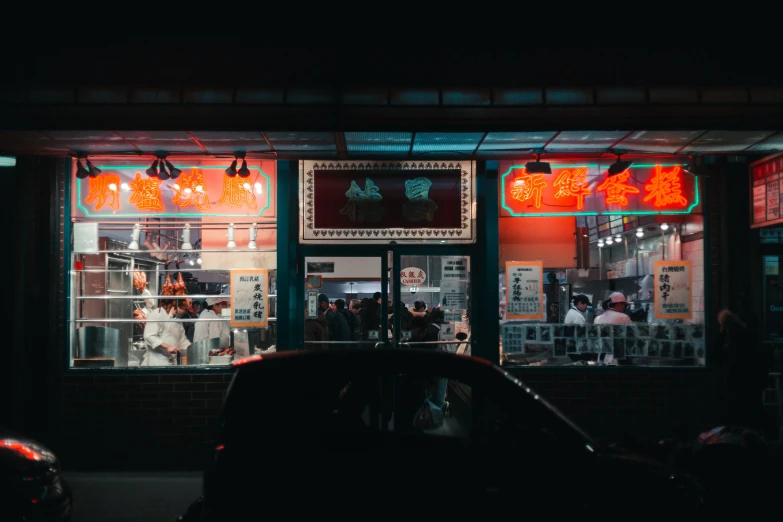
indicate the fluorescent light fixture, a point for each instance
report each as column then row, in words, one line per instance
column 7, row 161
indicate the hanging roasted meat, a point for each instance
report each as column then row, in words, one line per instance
column 139, row 280
column 179, row 286
column 168, row 286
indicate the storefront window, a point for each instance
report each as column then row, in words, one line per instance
column 599, row 268
column 175, row 272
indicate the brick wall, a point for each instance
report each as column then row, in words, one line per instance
column 627, row 406
column 133, row 422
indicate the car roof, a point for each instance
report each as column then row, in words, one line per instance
column 393, row 360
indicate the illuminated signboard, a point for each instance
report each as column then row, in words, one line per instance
column 767, row 182
column 587, row 189
column 123, row 189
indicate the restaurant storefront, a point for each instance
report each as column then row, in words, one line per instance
column 500, row 248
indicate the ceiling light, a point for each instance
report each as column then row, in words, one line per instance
column 639, row 232
column 134, row 244
column 244, row 171
column 94, row 171
column 176, row 186
column 618, row 238
column 538, row 166
column 186, row 238
column 198, row 260
column 173, row 171
column 153, row 170
column 191, row 262
column 125, row 186
column 259, row 188
column 113, row 187
column 609, row 241
column 199, row 188
column 188, row 191
column 232, row 170
column 619, row 166
column 664, row 226
column 600, row 244
column 246, row 186
column 81, row 172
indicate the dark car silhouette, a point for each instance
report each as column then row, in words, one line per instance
column 334, row 434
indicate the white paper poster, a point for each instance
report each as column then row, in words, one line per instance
column 673, row 290
column 453, row 295
column 448, row 332
column 454, row 268
column 85, row 238
column 524, row 289
column 773, row 198
column 249, row 298
column 453, row 316
column 312, row 304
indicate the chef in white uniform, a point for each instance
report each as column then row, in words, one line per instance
column 164, row 339
column 615, row 310
column 211, row 329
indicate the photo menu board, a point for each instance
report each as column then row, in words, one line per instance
column 767, row 185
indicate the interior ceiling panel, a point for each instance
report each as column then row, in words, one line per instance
column 595, row 141
column 506, row 144
column 771, row 144
column 667, row 142
column 364, row 143
column 302, row 141
column 727, row 141
column 169, row 141
column 291, row 145
column 433, row 142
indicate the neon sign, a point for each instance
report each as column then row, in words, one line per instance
column 665, row 188
column 529, row 186
column 616, row 189
column 124, row 190
column 587, row 189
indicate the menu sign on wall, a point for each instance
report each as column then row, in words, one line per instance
column 454, row 268
column 249, row 298
column 673, row 290
column 524, row 289
column 767, row 185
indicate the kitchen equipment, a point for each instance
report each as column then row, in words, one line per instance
column 220, row 359
column 198, row 353
column 100, row 342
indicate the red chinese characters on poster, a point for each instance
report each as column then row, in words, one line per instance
column 588, row 189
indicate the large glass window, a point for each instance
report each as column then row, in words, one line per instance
column 600, row 286
column 168, row 273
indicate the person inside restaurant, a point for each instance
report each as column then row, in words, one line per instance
column 163, row 336
column 207, row 325
column 576, row 315
column 615, row 310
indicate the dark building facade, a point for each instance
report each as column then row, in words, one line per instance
column 310, row 119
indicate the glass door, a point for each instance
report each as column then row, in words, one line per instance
column 433, row 310
column 346, row 301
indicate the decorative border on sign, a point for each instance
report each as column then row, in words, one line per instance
column 358, row 234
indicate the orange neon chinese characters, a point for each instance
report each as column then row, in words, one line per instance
column 146, row 193
column 190, row 189
column 103, row 187
column 529, row 186
column 616, row 189
column 573, row 183
column 665, row 188
column 237, row 192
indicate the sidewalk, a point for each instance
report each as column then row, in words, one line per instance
column 132, row 496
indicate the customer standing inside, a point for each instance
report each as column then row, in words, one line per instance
column 342, row 320
column 209, row 327
column 163, row 335
column 615, row 310
column 576, row 315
